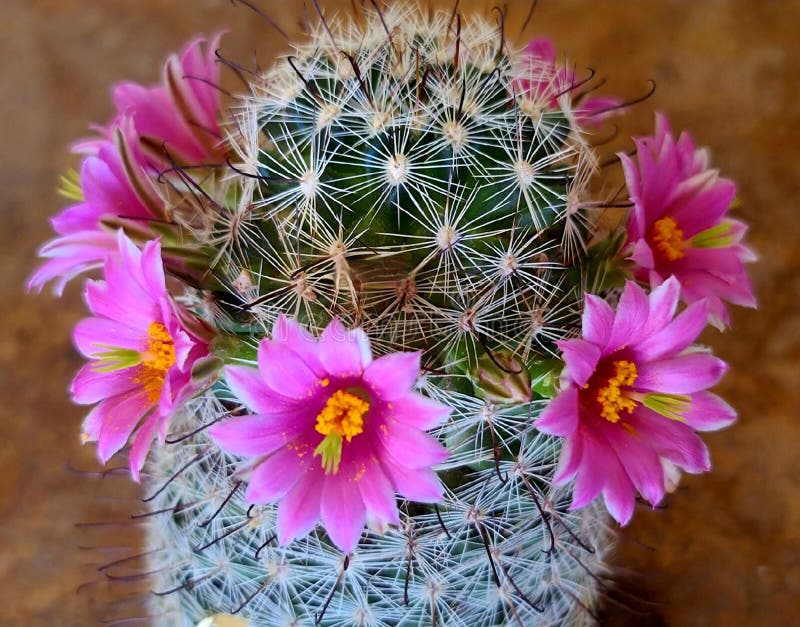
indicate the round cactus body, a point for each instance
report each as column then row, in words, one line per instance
column 409, row 174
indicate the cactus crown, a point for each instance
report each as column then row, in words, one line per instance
column 396, row 172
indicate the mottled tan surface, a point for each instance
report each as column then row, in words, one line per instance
column 727, row 548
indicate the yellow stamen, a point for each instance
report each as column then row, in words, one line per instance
column 611, row 398
column 343, row 414
column 341, row 419
column 158, row 359
column 667, row 239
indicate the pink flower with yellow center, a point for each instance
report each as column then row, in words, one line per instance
column 142, row 348
column 679, row 224
column 335, row 435
column 633, row 393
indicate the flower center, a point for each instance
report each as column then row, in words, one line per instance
column 158, row 359
column 667, row 239
column 611, row 398
column 341, row 418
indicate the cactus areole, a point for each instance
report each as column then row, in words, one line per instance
column 375, row 359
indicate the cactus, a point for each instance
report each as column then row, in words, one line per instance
column 394, row 173
column 404, row 186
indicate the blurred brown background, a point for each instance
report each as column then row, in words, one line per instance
column 727, row 547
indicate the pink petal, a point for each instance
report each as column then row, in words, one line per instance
column 90, row 386
column 680, row 375
column 343, row 512
column 393, row 375
column 642, row 255
column 641, row 463
column 418, row 411
column 94, row 335
column 153, row 268
column 663, row 303
column 272, row 479
column 708, row 412
column 121, row 416
column 344, row 353
column 581, row 357
column 675, row 336
column 142, row 442
column 260, row 434
column 598, row 319
column 632, row 313
column 293, row 335
column 560, row 417
column 570, row 459
column 299, row 510
column 249, row 388
column 592, row 473
column 285, row 371
column 618, row 493
column 378, row 494
column 673, row 440
column 410, row 447
column 117, row 302
column 421, row 484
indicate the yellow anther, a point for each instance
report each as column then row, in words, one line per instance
column 611, row 398
column 667, row 239
column 158, row 359
column 343, row 415
column 341, row 419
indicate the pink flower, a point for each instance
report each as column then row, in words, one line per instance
column 633, row 392
column 108, row 190
column 183, row 111
column 142, row 348
column 335, row 433
column 679, row 225
column 545, row 83
column 118, row 178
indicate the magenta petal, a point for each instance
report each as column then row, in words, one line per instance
column 289, row 332
column 275, row 476
column 418, row 411
column 570, row 459
column 343, row 353
column 393, row 375
column 640, row 462
column 618, row 493
column 581, row 357
column 708, row 412
column 90, row 386
column 410, row 447
column 560, row 417
column 378, row 494
column 676, row 335
column 285, row 371
column 248, row 387
column 672, row 440
column 632, row 313
column 642, row 255
column 343, row 512
column 421, row 484
column 258, row 434
column 121, row 416
column 685, row 374
column 299, row 510
column 591, row 474
column 142, row 442
column 95, row 335
column 598, row 318
column 663, row 302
